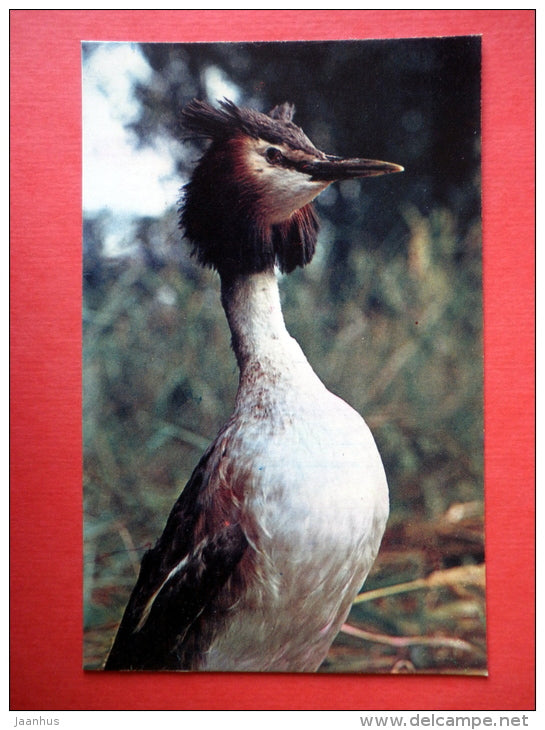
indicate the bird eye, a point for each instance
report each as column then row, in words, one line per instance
column 273, row 154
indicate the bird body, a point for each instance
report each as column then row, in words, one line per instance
column 279, row 525
column 313, row 525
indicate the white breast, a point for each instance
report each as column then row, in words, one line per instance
column 315, row 511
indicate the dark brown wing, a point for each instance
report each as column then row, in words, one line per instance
column 179, row 577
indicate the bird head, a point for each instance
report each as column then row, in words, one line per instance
column 248, row 205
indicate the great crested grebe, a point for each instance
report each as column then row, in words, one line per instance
column 279, row 525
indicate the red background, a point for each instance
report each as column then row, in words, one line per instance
column 46, row 534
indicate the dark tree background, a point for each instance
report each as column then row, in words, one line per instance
column 389, row 314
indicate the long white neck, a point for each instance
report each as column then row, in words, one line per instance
column 260, row 339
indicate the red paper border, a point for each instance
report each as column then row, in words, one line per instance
column 46, row 472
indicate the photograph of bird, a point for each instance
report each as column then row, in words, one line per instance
column 273, row 536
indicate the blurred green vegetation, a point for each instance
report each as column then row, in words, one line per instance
column 389, row 315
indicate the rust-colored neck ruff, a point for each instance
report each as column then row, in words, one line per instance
column 222, row 216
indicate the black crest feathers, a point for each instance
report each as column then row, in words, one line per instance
column 225, row 121
column 219, row 209
column 284, row 112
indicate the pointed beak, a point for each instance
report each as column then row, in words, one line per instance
column 339, row 168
